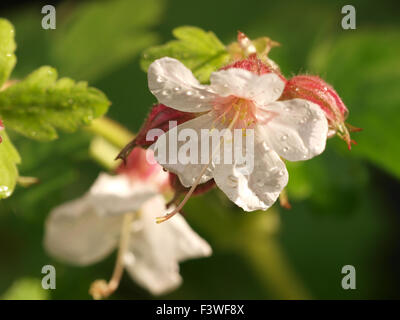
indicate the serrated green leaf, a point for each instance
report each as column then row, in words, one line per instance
column 38, row 105
column 200, row 51
column 365, row 70
column 99, row 36
column 7, row 48
column 9, row 158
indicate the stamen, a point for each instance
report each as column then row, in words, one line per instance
column 197, row 181
column 100, row 288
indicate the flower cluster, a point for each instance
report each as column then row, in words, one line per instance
column 277, row 119
column 118, row 212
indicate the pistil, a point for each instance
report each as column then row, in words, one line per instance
column 100, row 289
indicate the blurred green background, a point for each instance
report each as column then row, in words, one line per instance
column 345, row 204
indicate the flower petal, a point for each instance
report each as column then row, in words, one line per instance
column 175, row 86
column 118, row 195
column 262, row 89
column 187, row 172
column 298, row 131
column 156, row 250
column 255, row 189
column 77, row 234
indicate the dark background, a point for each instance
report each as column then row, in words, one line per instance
column 345, row 203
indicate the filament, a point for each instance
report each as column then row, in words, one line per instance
column 197, row 181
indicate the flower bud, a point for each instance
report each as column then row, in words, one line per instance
column 140, row 165
column 255, row 65
column 316, row 90
column 159, row 118
column 260, row 47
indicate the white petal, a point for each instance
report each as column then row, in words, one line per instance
column 77, row 234
column 298, row 131
column 175, row 86
column 257, row 189
column 242, row 83
column 156, row 250
column 118, row 194
column 187, row 172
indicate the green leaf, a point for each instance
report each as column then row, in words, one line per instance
column 200, row 51
column 38, row 105
column 364, row 68
column 9, row 158
column 99, row 36
column 7, row 48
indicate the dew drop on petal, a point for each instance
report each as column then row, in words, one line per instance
column 159, row 79
column 284, row 137
column 232, row 181
column 265, row 146
column 285, row 149
column 176, row 89
column 189, row 93
column 260, row 183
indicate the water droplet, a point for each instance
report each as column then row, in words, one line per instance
column 265, row 146
column 288, row 108
column 129, row 258
column 159, row 79
column 284, row 137
column 285, row 149
column 189, row 93
column 176, row 89
column 281, row 173
column 202, row 97
column 232, row 181
column 165, row 92
column 325, row 88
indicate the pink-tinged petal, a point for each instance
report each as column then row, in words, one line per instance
column 140, row 170
column 257, row 189
column 262, row 89
column 297, row 131
column 76, row 233
column 156, row 250
column 175, row 86
column 187, row 172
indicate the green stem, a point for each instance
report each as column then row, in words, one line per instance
column 265, row 255
column 112, row 131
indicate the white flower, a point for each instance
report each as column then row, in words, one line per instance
column 86, row 230
column 294, row 129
